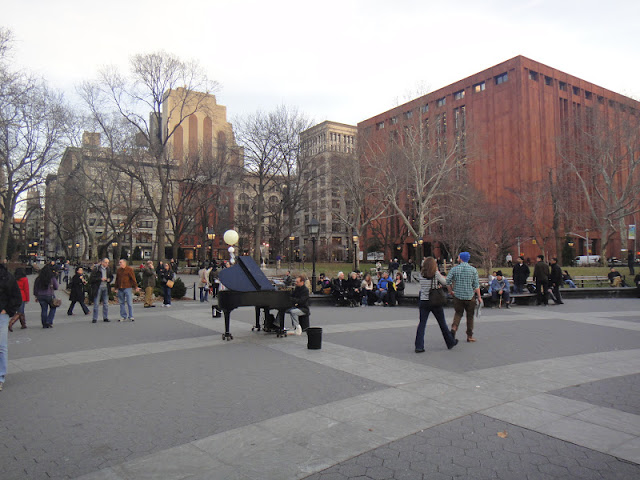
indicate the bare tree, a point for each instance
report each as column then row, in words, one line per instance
column 32, row 125
column 603, row 154
column 167, row 89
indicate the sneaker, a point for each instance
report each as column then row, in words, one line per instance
column 122, row 319
column 419, row 350
column 94, row 321
column 132, row 319
column 106, row 320
column 298, row 330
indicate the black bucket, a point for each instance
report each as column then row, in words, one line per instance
column 314, row 338
column 304, row 322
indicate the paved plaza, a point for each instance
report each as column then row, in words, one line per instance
column 545, row 393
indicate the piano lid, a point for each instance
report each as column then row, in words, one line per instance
column 245, row 276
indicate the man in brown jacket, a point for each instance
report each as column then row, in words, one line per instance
column 148, row 282
column 125, row 282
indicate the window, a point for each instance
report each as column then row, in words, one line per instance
column 562, row 86
column 548, row 81
column 459, row 95
column 379, row 125
column 588, row 95
column 576, row 90
column 479, row 87
column 600, row 99
column 394, row 120
column 441, row 101
column 533, row 75
column 611, row 104
column 408, row 115
column 503, row 77
column 424, row 108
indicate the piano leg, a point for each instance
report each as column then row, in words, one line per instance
column 281, row 330
column 257, row 327
column 227, row 320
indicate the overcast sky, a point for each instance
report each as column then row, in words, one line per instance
column 343, row 60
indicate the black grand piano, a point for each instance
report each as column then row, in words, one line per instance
column 246, row 285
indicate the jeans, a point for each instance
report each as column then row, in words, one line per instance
column 380, row 295
column 47, row 312
column 295, row 313
column 4, row 345
column 166, row 291
column 518, row 288
column 438, row 312
column 541, row 289
column 570, row 283
column 103, row 293
column 505, row 296
column 204, row 294
column 125, row 298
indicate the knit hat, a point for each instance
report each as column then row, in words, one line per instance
column 465, row 256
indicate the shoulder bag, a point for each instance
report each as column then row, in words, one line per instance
column 437, row 297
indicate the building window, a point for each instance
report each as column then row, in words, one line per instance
column 588, row 95
column 600, row 99
column 394, row 120
column 379, row 125
column 612, row 104
column 533, row 75
column 424, row 108
column 408, row 115
column 548, row 81
column 441, row 101
column 576, row 90
column 459, row 95
column 479, row 87
column 503, row 77
column 562, row 86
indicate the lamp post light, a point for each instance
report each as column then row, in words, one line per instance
column 355, row 239
column 586, row 239
column 292, row 238
column 198, row 248
column 78, row 252
column 211, row 237
column 421, row 244
column 314, row 228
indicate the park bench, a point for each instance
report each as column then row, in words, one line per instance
column 592, row 280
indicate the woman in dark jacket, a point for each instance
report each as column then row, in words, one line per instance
column 399, row 282
column 43, row 291
column 76, row 286
column 165, row 275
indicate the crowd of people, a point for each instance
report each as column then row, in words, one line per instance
column 363, row 289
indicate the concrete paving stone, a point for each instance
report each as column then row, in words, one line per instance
column 352, row 470
column 629, row 450
column 585, row 434
column 428, row 388
column 390, row 424
column 298, row 425
column 392, row 398
column 348, row 409
column 219, row 472
column 554, row 404
column 611, row 418
column 379, row 473
column 343, row 441
column 521, row 415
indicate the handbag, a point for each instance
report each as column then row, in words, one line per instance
column 437, row 297
column 55, row 302
column 170, row 283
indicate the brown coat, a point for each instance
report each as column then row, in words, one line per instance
column 125, row 278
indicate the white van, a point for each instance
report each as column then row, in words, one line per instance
column 583, row 260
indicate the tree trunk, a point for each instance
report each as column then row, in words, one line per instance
column 258, row 227
column 5, row 231
column 160, row 228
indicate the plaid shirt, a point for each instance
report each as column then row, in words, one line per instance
column 465, row 280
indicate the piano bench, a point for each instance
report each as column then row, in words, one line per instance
column 304, row 322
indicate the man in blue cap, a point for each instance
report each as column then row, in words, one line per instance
column 464, row 285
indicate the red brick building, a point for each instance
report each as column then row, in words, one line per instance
column 514, row 113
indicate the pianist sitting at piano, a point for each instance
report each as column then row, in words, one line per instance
column 300, row 300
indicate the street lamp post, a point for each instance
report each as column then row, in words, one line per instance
column 421, row 243
column 115, row 246
column 314, row 228
column 291, row 240
column 355, row 239
column 78, row 252
column 198, row 247
column 211, row 237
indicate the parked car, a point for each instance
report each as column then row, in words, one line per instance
column 615, row 262
column 583, row 260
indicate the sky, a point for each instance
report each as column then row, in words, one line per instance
column 344, row 61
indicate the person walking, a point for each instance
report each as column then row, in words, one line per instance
column 44, row 289
column 463, row 283
column 204, row 284
column 148, row 283
column 166, row 278
column 431, row 278
column 100, row 280
column 541, row 277
column 555, row 280
column 125, row 284
column 10, row 301
column 77, row 291
column 23, row 285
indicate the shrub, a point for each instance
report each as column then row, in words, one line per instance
column 179, row 290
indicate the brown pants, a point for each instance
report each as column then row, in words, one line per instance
column 148, row 296
column 461, row 306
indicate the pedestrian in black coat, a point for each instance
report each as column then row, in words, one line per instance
column 76, row 295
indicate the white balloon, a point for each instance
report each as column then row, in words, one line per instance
column 231, row 237
column 231, row 249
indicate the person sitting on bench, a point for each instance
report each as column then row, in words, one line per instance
column 614, row 278
column 300, row 300
column 500, row 288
